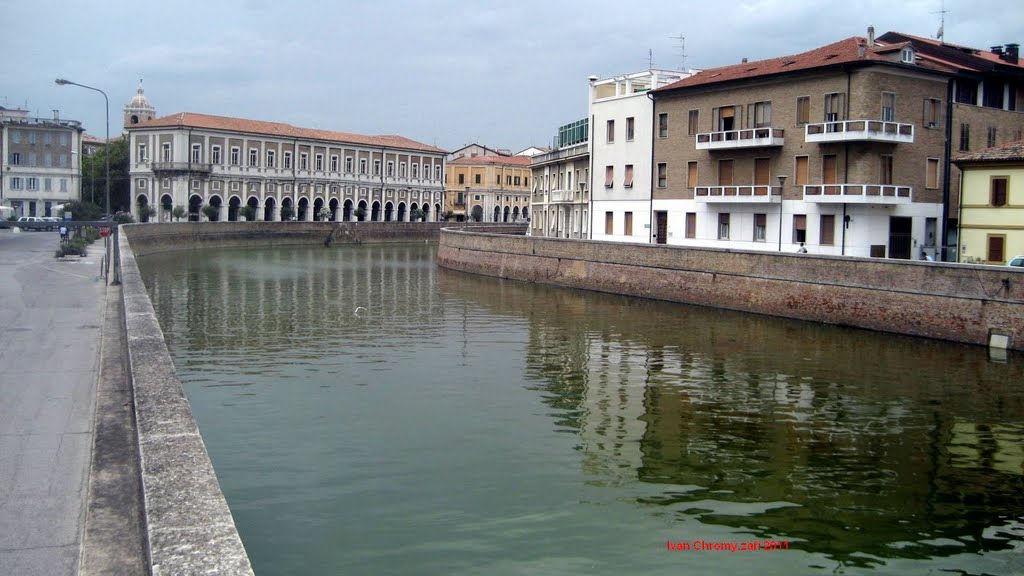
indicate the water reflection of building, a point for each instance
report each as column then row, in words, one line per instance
column 776, row 427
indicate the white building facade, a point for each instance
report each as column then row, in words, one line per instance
column 560, row 201
column 280, row 171
column 620, row 152
column 41, row 162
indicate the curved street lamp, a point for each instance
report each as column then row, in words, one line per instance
column 106, row 147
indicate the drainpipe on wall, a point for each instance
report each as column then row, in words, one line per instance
column 652, row 231
column 946, row 172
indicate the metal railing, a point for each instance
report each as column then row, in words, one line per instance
column 751, row 193
column 868, row 193
column 860, row 130
column 749, row 137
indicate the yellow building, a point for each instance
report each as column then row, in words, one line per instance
column 992, row 210
column 488, row 188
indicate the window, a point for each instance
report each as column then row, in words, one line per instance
column 348, row 164
column 16, row 183
column 663, row 125
column 888, row 107
column 462, row 178
column 610, row 132
column 334, row 163
column 996, row 249
column 63, row 139
column 608, row 222
column 628, row 180
column 197, row 154
column 140, row 183
column 829, row 169
column 628, row 224
column 691, row 174
column 140, row 154
column 609, row 176
column 760, row 114
column 165, row 152
column 416, row 171
column 437, row 172
column 692, row 122
column 931, row 177
column 254, row 157
column 991, row 140
column 15, row 158
column 508, row 180
column 271, row 158
column 803, row 109
column 799, row 228
column 32, row 183
column 236, row 156
column 303, row 160
column 391, row 169
column 662, row 174
column 726, row 118
column 31, row 137
column 723, row 226
column 691, row 224
column 318, row 162
column 195, row 185
column 630, row 129
column 828, row 230
column 885, row 169
column 931, row 112
column 526, row 180
column 998, row 196
column 402, row 173
column 907, row 55
column 63, row 160
column 835, row 107
column 47, row 138
column 476, row 178
column 32, row 159
column 287, row 160
column 16, row 136
column 63, row 184
column 760, row 227
column 965, row 137
column 725, row 172
column 48, row 184
column 515, row 181
column 800, row 169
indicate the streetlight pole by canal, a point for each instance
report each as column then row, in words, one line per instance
column 106, row 148
column 782, row 194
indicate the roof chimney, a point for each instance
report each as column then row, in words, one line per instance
column 744, row 61
column 1012, row 53
column 871, row 36
column 997, row 50
column 56, row 114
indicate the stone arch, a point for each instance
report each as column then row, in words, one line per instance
column 437, row 210
column 142, row 201
column 195, row 202
column 401, row 212
column 255, row 203
column 505, row 219
column 318, row 205
column 333, row 206
column 302, row 214
column 426, row 212
column 389, row 211
column 362, row 208
column 412, row 209
column 269, row 214
column 375, row 212
column 515, row 214
column 346, row 211
column 166, row 208
column 497, row 214
column 286, row 202
column 526, row 213
column 234, row 205
column 477, row 213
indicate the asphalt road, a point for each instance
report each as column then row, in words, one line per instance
column 51, row 317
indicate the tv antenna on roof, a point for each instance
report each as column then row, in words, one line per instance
column 682, row 48
column 942, row 23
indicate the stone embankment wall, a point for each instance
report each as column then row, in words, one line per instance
column 961, row 303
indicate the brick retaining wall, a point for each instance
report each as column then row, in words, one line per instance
column 962, row 303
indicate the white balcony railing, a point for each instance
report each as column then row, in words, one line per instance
column 858, row 193
column 735, row 194
column 560, row 196
column 749, row 138
column 859, row 131
column 181, row 167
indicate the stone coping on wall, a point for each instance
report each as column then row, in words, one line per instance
column 189, row 528
column 958, row 302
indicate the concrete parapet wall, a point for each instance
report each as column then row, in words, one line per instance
column 151, row 238
column 189, row 528
column 961, row 303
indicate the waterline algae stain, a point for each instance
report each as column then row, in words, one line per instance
column 464, row 424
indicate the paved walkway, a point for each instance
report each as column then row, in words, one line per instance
column 51, row 317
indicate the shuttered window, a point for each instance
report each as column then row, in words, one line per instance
column 999, row 191
column 828, row 229
column 691, row 224
column 799, row 228
column 996, row 252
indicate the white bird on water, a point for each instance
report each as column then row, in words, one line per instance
column 358, row 310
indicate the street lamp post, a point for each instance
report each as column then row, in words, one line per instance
column 106, row 148
column 782, row 194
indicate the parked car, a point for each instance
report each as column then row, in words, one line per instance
column 30, row 220
column 1016, row 261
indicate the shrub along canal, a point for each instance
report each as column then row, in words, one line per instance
column 370, row 413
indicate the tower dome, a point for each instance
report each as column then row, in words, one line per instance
column 138, row 108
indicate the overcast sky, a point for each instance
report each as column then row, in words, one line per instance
column 447, row 73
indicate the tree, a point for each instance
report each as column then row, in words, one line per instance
column 248, row 212
column 94, row 176
column 324, row 214
column 146, row 212
column 83, row 210
column 478, row 213
column 211, row 212
column 287, row 212
column 416, row 215
column 360, row 213
column 178, row 212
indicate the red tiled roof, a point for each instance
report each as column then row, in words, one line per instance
column 1012, row 152
column 841, row 52
column 487, row 160
column 86, row 137
column 279, row 129
column 951, row 55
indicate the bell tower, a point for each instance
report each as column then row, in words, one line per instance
column 138, row 109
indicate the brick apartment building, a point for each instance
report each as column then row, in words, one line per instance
column 862, row 129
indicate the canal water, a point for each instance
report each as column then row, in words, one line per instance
column 370, row 413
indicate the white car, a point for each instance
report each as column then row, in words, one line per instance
column 1016, row 261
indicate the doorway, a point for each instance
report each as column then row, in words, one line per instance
column 899, row 237
column 661, row 219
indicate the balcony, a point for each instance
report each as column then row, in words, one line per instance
column 194, row 167
column 560, row 196
column 860, row 131
column 734, row 139
column 857, row 193
column 738, row 194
